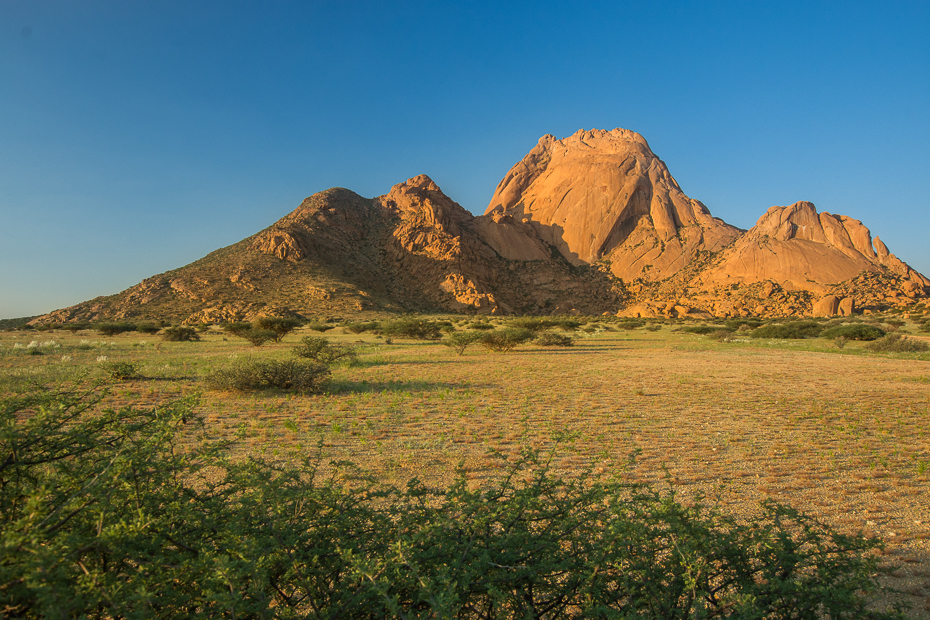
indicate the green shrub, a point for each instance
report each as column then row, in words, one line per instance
column 112, row 329
column 413, row 329
column 250, row 375
column 549, row 339
column 630, row 324
column 459, row 341
column 533, row 323
column 280, row 326
column 481, row 326
column 502, row 340
column 148, row 328
column 75, row 327
column 104, row 517
column 735, row 324
column 320, row 327
column 653, row 328
column 795, row 330
column 721, row 335
column 120, row 371
column 702, row 330
column 853, row 331
column 321, row 350
column 249, row 332
column 896, row 343
column 359, row 328
column 180, row 334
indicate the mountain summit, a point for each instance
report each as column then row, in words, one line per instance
column 591, row 223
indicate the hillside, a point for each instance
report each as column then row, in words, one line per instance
column 593, row 223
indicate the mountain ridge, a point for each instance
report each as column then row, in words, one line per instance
column 592, row 223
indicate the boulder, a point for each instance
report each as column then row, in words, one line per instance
column 826, row 306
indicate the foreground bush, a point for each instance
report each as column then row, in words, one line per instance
column 306, row 377
column 103, row 516
column 853, row 331
column 896, row 343
column 321, row 350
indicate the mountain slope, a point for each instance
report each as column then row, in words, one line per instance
column 591, row 223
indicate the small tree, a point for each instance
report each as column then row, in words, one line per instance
column 321, row 350
column 180, row 334
column 459, row 341
column 280, row 326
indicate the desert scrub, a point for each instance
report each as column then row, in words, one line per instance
column 360, row 328
column 412, row 329
column 896, row 343
column 721, row 335
column 304, row 376
column 321, row 350
column 249, row 332
column 795, row 330
column 112, row 329
column 459, row 341
column 550, row 339
column 502, row 340
column 180, row 334
column 320, row 327
column 701, row 330
column 120, row 371
column 97, row 496
column 853, row 331
column 280, row 326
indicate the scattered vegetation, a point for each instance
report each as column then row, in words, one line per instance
column 897, row 343
column 104, row 517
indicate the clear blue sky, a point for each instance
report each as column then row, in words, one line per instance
column 136, row 137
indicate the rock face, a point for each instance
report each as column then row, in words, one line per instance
column 604, row 195
column 804, row 250
column 592, row 223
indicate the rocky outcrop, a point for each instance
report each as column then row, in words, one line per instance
column 604, row 195
column 805, row 250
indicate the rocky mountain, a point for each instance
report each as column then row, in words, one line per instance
column 593, row 223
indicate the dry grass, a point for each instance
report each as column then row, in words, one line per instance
column 843, row 435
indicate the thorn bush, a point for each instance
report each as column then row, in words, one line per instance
column 250, row 375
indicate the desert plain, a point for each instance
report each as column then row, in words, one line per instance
column 840, row 433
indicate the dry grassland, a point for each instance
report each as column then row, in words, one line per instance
column 843, row 435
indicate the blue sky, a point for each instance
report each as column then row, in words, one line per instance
column 136, row 137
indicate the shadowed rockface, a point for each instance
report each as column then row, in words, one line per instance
column 593, row 223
